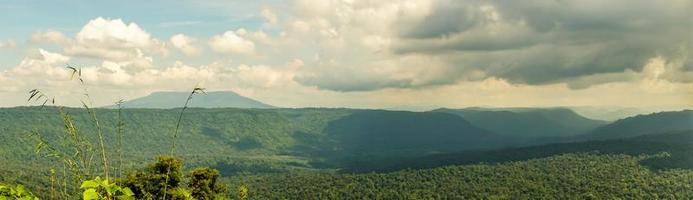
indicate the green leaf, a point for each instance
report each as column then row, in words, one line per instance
column 127, row 192
column 109, row 189
column 89, row 184
column 126, row 198
column 90, row 194
column 20, row 190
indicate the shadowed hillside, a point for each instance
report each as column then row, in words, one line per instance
column 644, row 124
column 383, row 131
column 528, row 122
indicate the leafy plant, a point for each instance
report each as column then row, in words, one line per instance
column 72, row 150
column 181, row 194
column 97, row 189
column 8, row 192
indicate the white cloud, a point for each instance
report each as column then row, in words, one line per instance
column 269, row 15
column 39, row 68
column 8, row 44
column 352, row 41
column 185, row 44
column 383, row 53
column 232, row 43
column 50, row 37
column 113, row 39
column 113, row 33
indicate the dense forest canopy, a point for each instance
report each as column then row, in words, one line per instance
column 262, row 148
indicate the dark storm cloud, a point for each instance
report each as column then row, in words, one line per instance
column 448, row 18
column 543, row 41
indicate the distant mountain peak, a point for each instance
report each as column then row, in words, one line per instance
column 212, row 99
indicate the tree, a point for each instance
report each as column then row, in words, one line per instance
column 203, row 183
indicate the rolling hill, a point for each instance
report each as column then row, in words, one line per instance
column 215, row 99
column 253, row 139
column 528, row 122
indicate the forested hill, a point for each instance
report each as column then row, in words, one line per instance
column 320, row 141
column 382, row 131
column 644, row 124
column 225, row 136
column 528, row 122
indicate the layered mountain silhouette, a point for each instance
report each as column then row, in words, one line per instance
column 608, row 113
column 661, row 122
column 215, row 99
column 528, row 122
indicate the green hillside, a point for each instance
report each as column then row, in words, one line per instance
column 316, row 147
column 252, row 140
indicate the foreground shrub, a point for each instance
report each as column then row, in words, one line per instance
column 152, row 183
column 97, row 189
column 203, row 182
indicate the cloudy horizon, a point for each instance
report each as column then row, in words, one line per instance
column 355, row 53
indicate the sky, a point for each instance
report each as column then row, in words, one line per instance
column 354, row 53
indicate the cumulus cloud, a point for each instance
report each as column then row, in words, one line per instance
column 231, row 42
column 352, row 41
column 113, row 39
column 577, row 43
column 185, row 44
column 39, row 67
column 377, row 53
column 545, row 42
